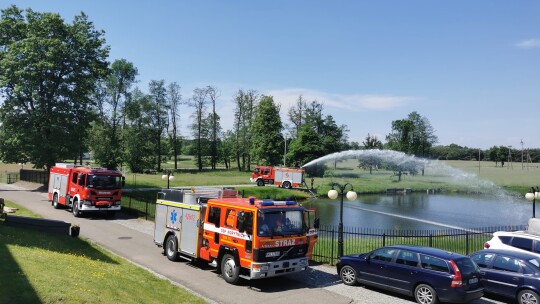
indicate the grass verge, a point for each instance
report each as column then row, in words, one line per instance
column 40, row 267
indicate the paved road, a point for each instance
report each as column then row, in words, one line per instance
column 132, row 239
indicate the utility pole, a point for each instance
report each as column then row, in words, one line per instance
column 510, row 158
column 522, row 154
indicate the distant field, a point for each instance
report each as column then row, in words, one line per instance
column 465, row 175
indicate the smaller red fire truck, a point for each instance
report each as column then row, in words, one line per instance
column 85, row 189
column 241, row 237
column 282, row 177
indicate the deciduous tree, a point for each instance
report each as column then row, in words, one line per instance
column 48, row 71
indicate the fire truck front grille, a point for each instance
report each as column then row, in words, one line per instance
column 275, row 254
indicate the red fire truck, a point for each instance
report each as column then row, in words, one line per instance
column 282, row 177
column 85, row 189
column 242, row 237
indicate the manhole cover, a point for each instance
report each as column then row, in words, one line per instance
column 124, row 238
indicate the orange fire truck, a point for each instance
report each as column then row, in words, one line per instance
column 283, row 177
column 85, row 189
column 242, row 237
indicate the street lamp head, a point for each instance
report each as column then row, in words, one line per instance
column 332, row 194
column 164, row 176
column 351, row 195
column 530, row 196
column 171, row 177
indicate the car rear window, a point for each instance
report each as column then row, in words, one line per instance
column 466, row 266
column 522, row 243
column 505, row 239
column 432, row 263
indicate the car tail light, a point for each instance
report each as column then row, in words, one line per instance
column 486, row 245
column 457, row 281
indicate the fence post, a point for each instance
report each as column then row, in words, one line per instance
column 384, row 239
column 332, row 247
column 431, row 240
column 466, row 242
column 146, row 211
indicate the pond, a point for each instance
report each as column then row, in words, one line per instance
column 420, row 211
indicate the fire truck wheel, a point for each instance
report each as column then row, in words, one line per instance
column 260, row 183
column 229, row 269
column 171, row 248
column 55, row 202
column 287, row 185
column 75, row 209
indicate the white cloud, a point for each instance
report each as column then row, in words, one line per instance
column 355, row 102
column 529, row 44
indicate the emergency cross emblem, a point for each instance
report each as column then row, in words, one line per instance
column 173, row 216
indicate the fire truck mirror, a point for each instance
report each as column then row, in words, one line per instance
column 245, row 222
column 123, row 181
column 241, row 217
column 317, row 223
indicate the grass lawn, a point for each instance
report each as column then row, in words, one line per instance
column 38, row 267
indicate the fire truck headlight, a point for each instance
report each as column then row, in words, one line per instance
column 88, row 203
column 303, row 262
column 118, row 203
column 260, row 267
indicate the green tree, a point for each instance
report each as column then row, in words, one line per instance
column 266, row 133
column 174, row 99
column 199, row 100
column 245, row 104
column 296, row 114
column 412, row 135
column 106, row 138
column 139, row 137
column 48, row 71
column 157, row 115
column 307, row 146
column 372, row 142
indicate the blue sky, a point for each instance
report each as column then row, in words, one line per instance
column 471, row 67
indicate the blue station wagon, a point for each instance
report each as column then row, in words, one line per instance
column 430, row 275
column 510, row 273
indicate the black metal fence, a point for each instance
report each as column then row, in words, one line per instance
column 9, row 178
column 358, row 240
column 140, row 204
column 34, row 176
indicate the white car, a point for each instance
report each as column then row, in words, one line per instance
column 521, row 241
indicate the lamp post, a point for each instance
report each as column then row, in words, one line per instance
column 351, row 196
column 168, row 176
column 285, row 152
column 532, row 196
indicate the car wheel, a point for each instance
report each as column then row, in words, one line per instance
column 75, row 208
column 347, row 274
column 287, row 185
column 171, row 248
column 425, row 294
column 229, row 269
column 55, row 202
column 260, row 183
column 528, row 297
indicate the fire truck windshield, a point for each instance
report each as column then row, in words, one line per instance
column 103, row 181
column 280, row 222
